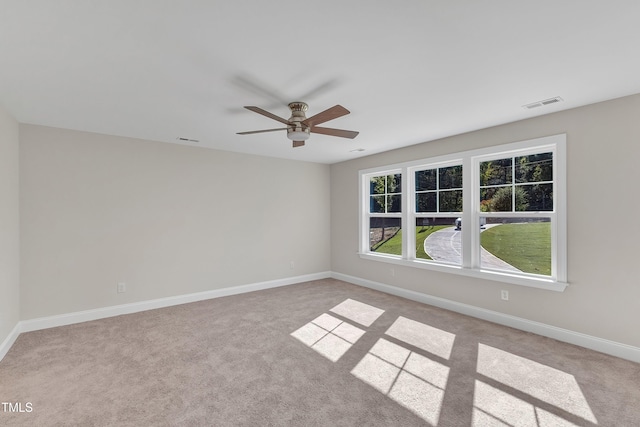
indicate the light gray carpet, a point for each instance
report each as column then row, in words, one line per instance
column 322, row 353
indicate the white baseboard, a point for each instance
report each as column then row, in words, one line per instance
column 613, row 348
column 605, row 346
column 117, row 310
column 8, row 342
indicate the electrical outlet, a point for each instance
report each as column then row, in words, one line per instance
column 122, row 287
column 504, row 295
column 393, row 272
column 292, row 265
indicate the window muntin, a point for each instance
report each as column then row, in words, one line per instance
column 439, row 189
column 526, row 185
column 385, row 193
column 517, row 184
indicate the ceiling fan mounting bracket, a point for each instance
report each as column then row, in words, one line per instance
column 298, row 106
column 297, row 114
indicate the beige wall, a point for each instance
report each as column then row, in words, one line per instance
column 9, row 225
column 603, row 169
column 166, row 219
column 171, row 220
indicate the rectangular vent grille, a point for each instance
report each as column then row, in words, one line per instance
column 182, row 139
column 542, row 103
column 550, row 101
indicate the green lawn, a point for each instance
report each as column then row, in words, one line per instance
column 525, row 246
column 394, row 245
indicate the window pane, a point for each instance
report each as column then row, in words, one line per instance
column 517, row 245
column 394, row 183
column 534, row 168
column 394, row 203
column 451, row 201
column 496, row 172
column 377, row 185
column 450, row 177
column 385, row 194
column 535, row 197
column 426, row 202
column 385, row 235
column 426, row 180
column 496, row 199
column 438, row 239
column 377, row 204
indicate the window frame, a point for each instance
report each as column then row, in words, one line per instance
column 412, row 212
column 366, row 211
column 471, row 214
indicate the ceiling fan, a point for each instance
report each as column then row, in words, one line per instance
column 299, row 126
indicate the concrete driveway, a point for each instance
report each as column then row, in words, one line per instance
column 445, row 245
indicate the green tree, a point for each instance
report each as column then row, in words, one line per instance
column 534, row 168
column 496, row 172
column 502, row 201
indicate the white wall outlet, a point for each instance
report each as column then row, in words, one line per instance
column 393, row 272
column 504, row 295
column 122, row 287
column 292, row 265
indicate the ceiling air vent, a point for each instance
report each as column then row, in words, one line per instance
column 542, row 103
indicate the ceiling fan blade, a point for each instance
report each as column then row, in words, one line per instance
column 329, row 114
column 320, row 89
column 259, row 131
column 298, row 144
column 252, row 84
column 335, row 132
column 267, row 114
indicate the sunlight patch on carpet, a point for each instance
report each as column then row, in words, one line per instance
column 359, row 312
column 549, row 385
column 494, row 407
column 329, row 336
column 425, row 337
column 392, row 353
column 412, row 380
column 376, row 372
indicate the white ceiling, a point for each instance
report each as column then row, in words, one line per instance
column 409, row 71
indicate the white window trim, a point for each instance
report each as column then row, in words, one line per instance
column 470, row 161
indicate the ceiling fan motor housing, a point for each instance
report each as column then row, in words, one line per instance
column 297, row 131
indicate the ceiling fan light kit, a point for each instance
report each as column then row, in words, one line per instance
column 299, row 127
column 298, row 135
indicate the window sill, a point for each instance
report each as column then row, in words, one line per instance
column 533, row 282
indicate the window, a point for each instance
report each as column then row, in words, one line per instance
column 385, row 209
column 516, row 199
column 496, row 213
column 438, row 204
